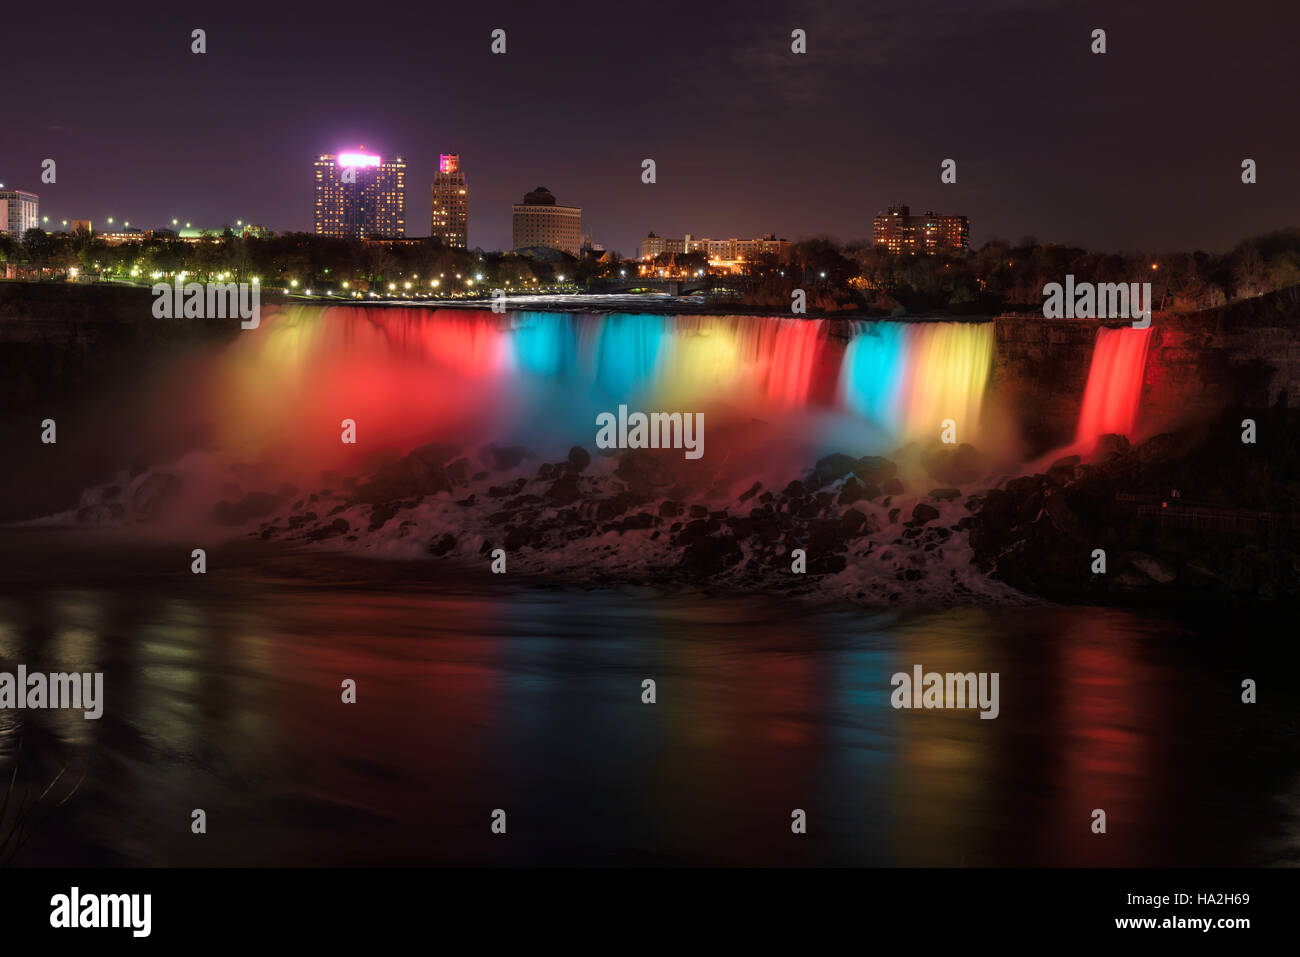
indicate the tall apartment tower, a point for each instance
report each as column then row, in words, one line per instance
column 900, row 232
column 449, row 206
column 360, row 194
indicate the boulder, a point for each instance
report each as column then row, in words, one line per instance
column 579, row 458
column 154, row 494
column 924, row 513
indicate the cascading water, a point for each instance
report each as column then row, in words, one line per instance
column 407, row 376
column 907, row 378
column 1114, row 390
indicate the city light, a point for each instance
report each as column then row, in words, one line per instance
column 358, row 159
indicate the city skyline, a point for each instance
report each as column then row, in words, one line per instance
column 1050, row 140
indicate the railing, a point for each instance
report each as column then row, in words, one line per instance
column 1175, row 512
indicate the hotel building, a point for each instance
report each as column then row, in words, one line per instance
column 720, row 251
column 538, row 221
column 900, row 232
column 19, row 212
column 360, row 194
column 449, row 216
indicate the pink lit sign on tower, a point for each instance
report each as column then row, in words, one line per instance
column 358, row 159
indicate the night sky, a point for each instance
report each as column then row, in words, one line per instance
column 1137, row 149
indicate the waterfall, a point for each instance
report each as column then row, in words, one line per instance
column 1114, row 390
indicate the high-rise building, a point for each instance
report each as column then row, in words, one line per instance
column 449, row 217
column 538, row 221
column 359, row 194
column 19, row 212
column 900, row 232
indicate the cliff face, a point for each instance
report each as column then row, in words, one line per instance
column 1245, row 354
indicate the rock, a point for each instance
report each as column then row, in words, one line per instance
column 442, row 545
column 503, row 459
column 833, row 467
column 1152, row 568
column 337, row 527
column 892, row 486
column 753, row 490
column 579, row 458
column 306, row 518
column 99, row 514
column 1021, row 488
column 875, row 469
column 1159, row 448
column 670, row 509
column 709, row 555
column 855, row 491
column 638, row 522
column 955, row 466
column 642, row 470
column 406, row 478
column 154, row 494
column 945, row 494
column 1063, row 518
column 827, row 564
column 521, row 536
column 1109, row 447
column 458, row 472
column 1064, row 470
column 379, row 515
column 854, row 523
column 565, row 491
column 504, row 491
column 924, row 513
column 608, row 508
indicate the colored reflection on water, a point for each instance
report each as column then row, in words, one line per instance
column 472, row 697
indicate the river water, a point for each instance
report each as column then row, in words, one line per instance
column 222, row 693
